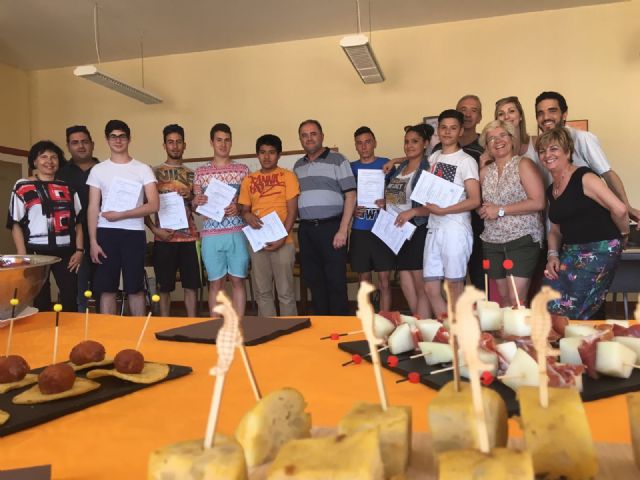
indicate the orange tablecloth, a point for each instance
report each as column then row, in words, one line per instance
column 113, row 439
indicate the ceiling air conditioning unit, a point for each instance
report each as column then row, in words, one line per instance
column 90, row 72
column 358, row 49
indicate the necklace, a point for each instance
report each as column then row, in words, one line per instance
column 557, row 189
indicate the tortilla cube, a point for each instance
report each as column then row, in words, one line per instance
column 499, row 464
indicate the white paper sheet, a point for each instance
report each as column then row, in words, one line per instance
column 438, row 191
column 272, row 230
column 172, row 214
column 219, row 196
column 123, row 195
column 370, row 187
column 392, row 235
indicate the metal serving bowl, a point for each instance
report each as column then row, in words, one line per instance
column 27, row 278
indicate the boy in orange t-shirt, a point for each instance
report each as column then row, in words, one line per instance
column 272, row 189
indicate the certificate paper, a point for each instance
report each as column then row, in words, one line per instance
column 219, row 196
column 370, row 187
column 123, row 195
column 272, row 230
column 172, row 214
column 438, row 191
column 392, row 235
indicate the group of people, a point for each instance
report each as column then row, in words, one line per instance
column 508, row 180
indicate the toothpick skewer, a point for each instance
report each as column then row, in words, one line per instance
column 56, row 308
column 155, row 299
column 508, row 265
column 485, row 266
column 87, row 295
column 453, row 338
column 358, row 358
column 335, row 335
column 14, row 303
column 366, row 314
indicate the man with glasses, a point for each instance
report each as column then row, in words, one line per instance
column 75, row 173
column 116, row 222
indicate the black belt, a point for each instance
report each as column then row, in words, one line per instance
column 318, row 221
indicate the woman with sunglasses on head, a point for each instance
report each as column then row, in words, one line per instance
column 589, row 226
column 43, row 218
column 512, row 199
column 397, row 200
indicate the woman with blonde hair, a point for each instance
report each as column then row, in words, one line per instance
column 512, row 199
column 509, row 109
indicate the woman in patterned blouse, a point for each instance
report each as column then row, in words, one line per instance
column 43, row 218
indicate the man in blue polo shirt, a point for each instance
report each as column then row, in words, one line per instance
column 325, row 205
column 367, row 252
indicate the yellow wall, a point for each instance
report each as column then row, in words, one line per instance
column 14, row 105
column 591, row 54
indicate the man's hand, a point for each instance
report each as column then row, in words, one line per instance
column 273, row 246
column 113, row 216
column 252, row 220
column 199, row 199
column 435, row 209
column 96, row 252
column 339, row 239
column 163, row 234
column 404, row 217
column 231, row 210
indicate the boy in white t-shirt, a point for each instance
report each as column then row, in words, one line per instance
column 116, row 226
column 450, row 238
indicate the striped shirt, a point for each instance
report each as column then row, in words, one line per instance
column 323, row 183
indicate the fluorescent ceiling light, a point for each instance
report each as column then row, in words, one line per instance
column 90, row 72
column 358, row 49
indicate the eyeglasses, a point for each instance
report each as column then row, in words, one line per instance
column 500, row 136
column 122, row 136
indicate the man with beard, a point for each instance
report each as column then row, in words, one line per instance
column 551, row 111
column 175, row 250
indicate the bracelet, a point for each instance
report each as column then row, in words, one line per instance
column 625, row 234
column 552, row 253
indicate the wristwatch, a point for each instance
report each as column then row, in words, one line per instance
column 500, row 212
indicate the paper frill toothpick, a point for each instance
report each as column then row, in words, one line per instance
column 14, row 302
column 467, row 329
column 540, row 322
column 87, row 295
column 486, row 264
column 228, row 339
column 155, row 299
column 56, row 308
column 508, row 265
column 366, row 315
column 453, row 339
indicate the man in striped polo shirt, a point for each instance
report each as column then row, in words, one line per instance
column 325, row 207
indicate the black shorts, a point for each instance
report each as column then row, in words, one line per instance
column 368, row 253
column 124, row 250
column 412, row 252
column 168, row 258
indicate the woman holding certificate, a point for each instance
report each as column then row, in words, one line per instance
column 512, row 199
column 397, row 199
column 43, row 218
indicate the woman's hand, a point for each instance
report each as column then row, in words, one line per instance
column 231, row 210
column 488, row 211
column 75, row 261
column 552, row 268
column 404, row 217
column 199, row 199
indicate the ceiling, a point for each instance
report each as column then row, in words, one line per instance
column 39, row 34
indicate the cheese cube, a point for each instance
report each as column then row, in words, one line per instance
column 273, row 421
column 569, row 350
column 189, row 460
column 428, row 329
column 341, row 457
column 523, row 370
column 633, row 402
column 615, row 359
column 452, row 419
column 490, row 316
column 572, row 330
column 500, row 464
column 558, row 436
column 394, row 429
column 632, row 342
column 515, row 322
column 436, row 352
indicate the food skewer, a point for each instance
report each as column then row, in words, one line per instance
column 226, row 344
column 224, row 300
column 154, row 298
column 87, row 294
column 540, row 322
column 14, row 303
column 336, row 336
column 357, row 359
column 486, row 264
column 453, row 338
column 366, row 315
column 56, row 308
column 467, row 330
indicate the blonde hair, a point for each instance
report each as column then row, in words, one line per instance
column 559, row 135
column 522, row 128
column 506, row 126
